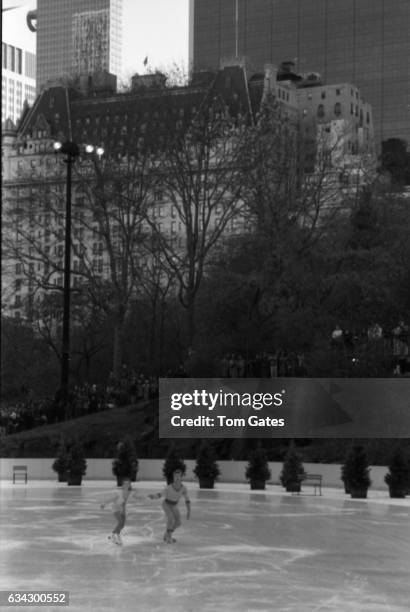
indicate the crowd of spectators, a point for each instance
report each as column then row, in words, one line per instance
column 131, row 386
column 26, row 414
column 127, row 388
column 263, row 365
column 392, row 341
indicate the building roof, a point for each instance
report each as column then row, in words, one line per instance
column 123, row 121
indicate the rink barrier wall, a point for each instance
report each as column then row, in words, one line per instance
column 151, row 469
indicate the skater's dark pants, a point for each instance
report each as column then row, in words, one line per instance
column 120, row 516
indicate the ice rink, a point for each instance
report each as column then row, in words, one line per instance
column 241, row 550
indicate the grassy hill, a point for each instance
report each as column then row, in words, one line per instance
column 100, row 431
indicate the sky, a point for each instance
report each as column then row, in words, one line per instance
column 157, row 29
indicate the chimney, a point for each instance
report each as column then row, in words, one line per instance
column 156, row 80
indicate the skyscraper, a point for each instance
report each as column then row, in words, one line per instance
column 365, row 42
column 77, row 36
column 18, row 66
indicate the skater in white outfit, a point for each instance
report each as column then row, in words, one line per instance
column 172, row 494
column 119, row 503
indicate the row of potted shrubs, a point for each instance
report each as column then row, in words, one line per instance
column 71, row 465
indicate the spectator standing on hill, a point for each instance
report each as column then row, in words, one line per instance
column 337, row 336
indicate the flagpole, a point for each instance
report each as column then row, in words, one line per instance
column 236, row 28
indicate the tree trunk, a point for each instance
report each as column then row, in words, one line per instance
column 118, row 349
column 153, row 334
column 161, row 334
column 191, row 322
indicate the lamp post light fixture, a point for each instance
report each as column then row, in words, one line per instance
column 71, row 150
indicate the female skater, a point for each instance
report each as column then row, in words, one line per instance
column 172, row 494
column 119, row 502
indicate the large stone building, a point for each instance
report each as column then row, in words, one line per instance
column 365, row 42
column 90, row 111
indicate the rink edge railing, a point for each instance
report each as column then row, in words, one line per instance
column 151, row 469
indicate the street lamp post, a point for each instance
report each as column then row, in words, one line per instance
column 71, row 150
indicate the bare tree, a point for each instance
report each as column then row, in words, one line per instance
column 110, row 200
column 292, row 204
column 201, row 180
column 117, row 193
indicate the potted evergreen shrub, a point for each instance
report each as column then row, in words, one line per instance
column 173, row 462
column 206, row 468
column 356, row 472
column 293, row 471
column 125, row 464
column 343, row 478
column 76, row 464
column 257, row 470
column 398, row 476
column 60, row 463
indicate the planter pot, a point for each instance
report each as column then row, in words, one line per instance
column 293, row 487
column 206, row 483
column 62, row 477
column 357, row 493
column 74, row 480
column 397, row 492
column 120, row 478
column 258, row 485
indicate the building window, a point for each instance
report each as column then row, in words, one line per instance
column 320, row 111
column 338, row 109
column 338, row 92
column 18, row 61
column 10, row 57
column 323, row 95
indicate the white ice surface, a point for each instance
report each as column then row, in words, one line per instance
column 241, row 550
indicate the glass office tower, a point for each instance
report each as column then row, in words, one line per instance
column 365, row 42
column 77, row 36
